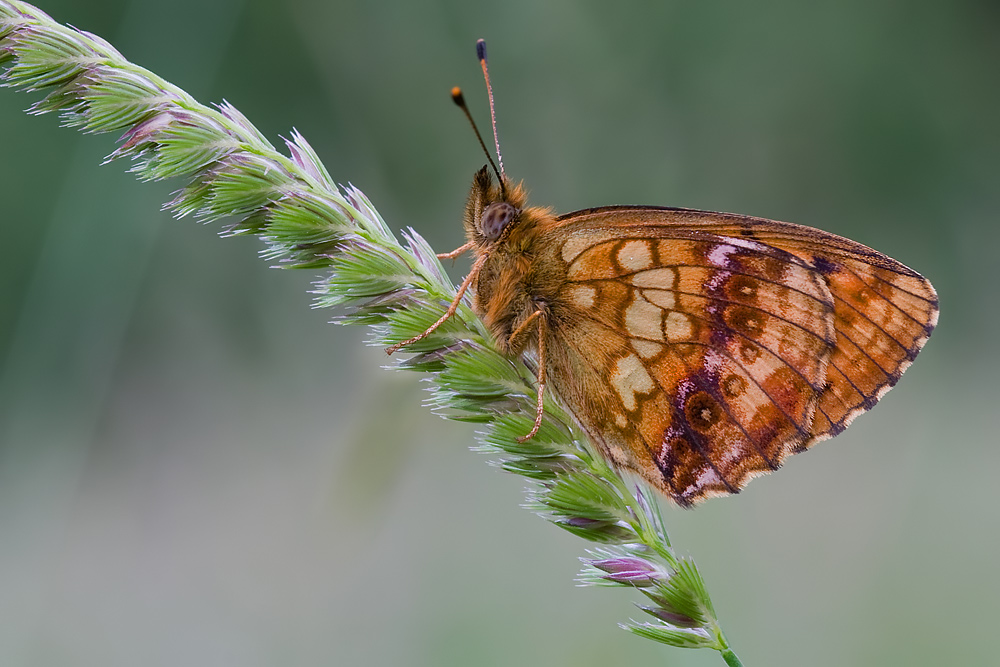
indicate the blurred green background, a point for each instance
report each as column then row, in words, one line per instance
column 195, row 469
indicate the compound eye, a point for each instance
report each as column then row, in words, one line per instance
column 495, row 219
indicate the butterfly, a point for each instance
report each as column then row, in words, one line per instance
column 696, row 349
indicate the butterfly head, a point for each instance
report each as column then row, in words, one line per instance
column 492, row 212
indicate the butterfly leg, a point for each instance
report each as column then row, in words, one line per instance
column 456, row 252
column 473, row 272
column 512, row 340
column 539, row 405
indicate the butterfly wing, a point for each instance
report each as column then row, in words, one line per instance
column 699, row 349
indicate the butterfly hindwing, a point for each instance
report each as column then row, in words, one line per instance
column 697, row 359
column 699, row 349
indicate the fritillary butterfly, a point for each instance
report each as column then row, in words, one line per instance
column 697, row 349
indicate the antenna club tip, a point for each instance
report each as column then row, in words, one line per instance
column 481, row 49
column 457, row 97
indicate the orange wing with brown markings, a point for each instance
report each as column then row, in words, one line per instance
column 699, row 349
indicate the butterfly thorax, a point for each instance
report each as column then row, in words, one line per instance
column 510, row 286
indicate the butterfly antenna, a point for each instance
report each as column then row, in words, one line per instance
column 459, row 100
column 481, row 52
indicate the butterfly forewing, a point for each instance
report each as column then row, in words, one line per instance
column 882, row 319
column 699, row 349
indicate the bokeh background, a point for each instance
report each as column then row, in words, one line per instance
column 196, row 469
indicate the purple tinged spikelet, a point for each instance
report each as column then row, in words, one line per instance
column 629, row 570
